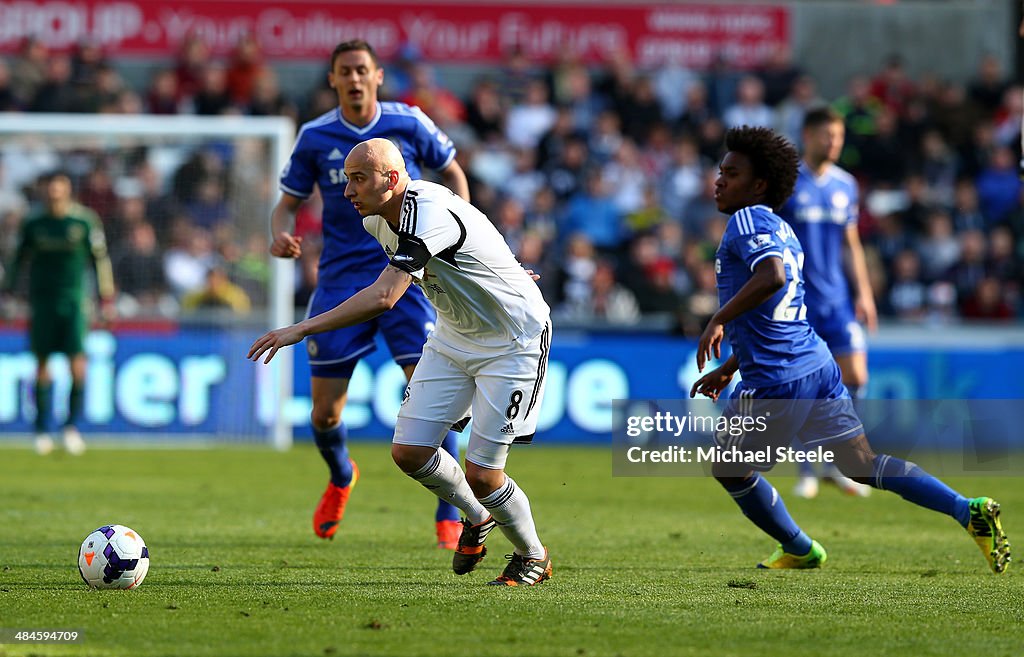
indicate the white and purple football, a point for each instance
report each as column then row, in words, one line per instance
column 113, row 557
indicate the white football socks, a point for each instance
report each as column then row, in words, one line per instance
column 443, row 477
column 511, row 510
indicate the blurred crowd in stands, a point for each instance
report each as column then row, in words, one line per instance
column 599, row 177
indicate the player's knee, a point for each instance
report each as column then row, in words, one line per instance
column 483, row 481
column 403, row 457
column 855, row 461
column 729, row 473
column 410, row 458
column 324, row 418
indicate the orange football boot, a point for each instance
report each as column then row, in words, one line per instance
column 448, row 532
column 331, row 508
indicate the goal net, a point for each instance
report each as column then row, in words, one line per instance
column 184, row 203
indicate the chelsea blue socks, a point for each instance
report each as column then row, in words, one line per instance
column 761, row 503
column 333, row 449
column 915, row 485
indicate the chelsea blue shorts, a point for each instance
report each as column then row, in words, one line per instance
column 817, row 409
column 334, row 354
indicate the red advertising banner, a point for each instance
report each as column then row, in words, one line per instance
column 689, row 34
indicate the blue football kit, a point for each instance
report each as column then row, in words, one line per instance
column 820, row 211
column 351, row 259
column 787, row 370
column 793, row 385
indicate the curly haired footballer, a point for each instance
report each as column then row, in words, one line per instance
column 772, row 157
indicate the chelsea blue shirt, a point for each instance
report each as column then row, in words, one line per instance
column 774, row 342
column 350, row 256
column 820, row 210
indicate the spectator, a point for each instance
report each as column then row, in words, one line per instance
column 702, row 303
column 999, row 187
column 609, row 300
column 529, row 121
column 968, row 271
column 606, row 137
column 209, row 208
column 1008, row 118
column 218, row 293
column 573, row 89
column 698, row 111
column 565, row 173
column 939, row 250
column 8, row 100
column 192, row 60
column 575, row 276
column 138, row 266
column 163, row 95
column 245, row 68
column 639, row 110
column 56, row 93
column 892, row 86
column 789, row 114
column 672, row 85
column 552, row 143
column 685, row 180
column 98, row 193
column 987, row 302
column 939, row 167
column 987, row 87
column 267, row 99
column 749, row 108
column 625, row 179
column 1003, row 261
column 966, row 214
column 485, row 112
column 433, row 99
column 779, row 75
column 29, row 71
column 525, row 182
column 188, row 259
column 510, row 221
column 883, row 155
column 592, row 213
column 907, row 295
column 212, row 96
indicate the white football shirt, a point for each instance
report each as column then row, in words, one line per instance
column 483, row 296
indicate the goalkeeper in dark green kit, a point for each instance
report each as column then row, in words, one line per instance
column 60, row 242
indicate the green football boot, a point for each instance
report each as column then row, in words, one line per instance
column 782, row 559
column 987, row 531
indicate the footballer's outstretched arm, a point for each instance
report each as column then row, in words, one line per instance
column 364, row 305
column 768, row 278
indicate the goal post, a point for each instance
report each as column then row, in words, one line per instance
column 198, row 183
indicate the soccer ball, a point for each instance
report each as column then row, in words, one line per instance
column 113, row 557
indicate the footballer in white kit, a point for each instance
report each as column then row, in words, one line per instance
column 486, row 357
column 488, row 352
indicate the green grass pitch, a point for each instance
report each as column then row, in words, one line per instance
column 641, row 566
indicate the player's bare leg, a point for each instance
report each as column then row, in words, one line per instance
column 44, row 405
column 329, row 396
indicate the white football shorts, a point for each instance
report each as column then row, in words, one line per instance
column 502, row 393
